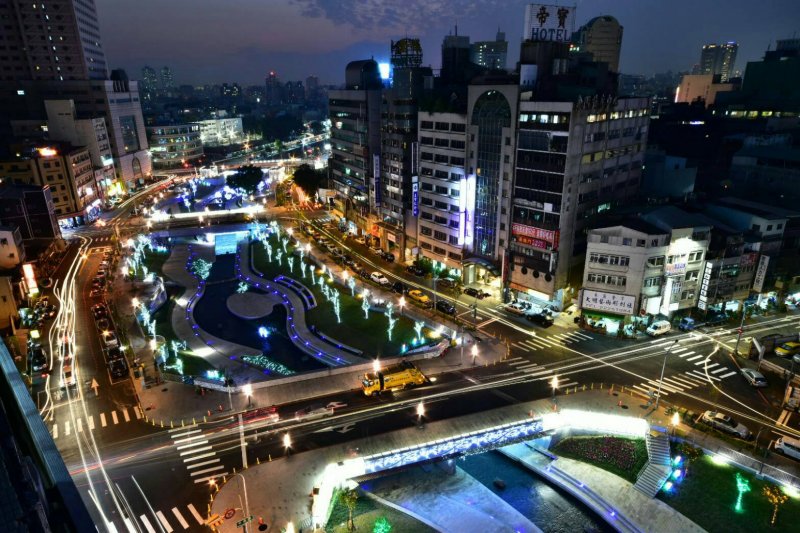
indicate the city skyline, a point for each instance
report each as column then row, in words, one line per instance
column 272, row 36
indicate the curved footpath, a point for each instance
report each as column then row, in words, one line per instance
column 279, row 490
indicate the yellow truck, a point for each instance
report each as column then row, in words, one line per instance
column 394, row 377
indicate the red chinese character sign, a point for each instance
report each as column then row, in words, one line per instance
column 535, row 236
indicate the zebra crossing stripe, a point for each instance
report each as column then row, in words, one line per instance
column 687, row 382
column 701, row 362
column 137, row 412
column 103, row 419
column 80, row 425
column 90, row 422
column 679, row 349
column 163, row 521
column 147, row 524
column 509, row 361
column 114, row 417
column 685, row 354
column 204, row 463
column 55, row 431
column 520, row 362
column 712, row 365
column 675, row 383
column 563, row 338
column 195, row 514
column 192, row 444
column 66, row 427
column 664, row 386
column 179, row 516
column 695, row 357
column 521, row 347
column 583, row 336
column 196, row 450
column 729, row 374
column 126, row 415
column 647, row 390
column 201, row 456
column 718, row 370
column 527, row 367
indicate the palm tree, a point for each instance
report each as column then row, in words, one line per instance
column 776, row 497
column 350, row 499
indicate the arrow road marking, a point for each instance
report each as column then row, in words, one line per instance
column 345, row 428
column 95, row 386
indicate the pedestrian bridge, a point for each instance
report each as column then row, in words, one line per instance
column 343, row 473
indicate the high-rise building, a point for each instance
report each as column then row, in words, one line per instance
column 455, row 59
column 719, row 59
column 312, row 89
column 355, row 115
column 490, row 54
column 294, row 92
column 167, row 82
column 602, row 38
column 175, row 145
column 29, row 208
column 148, row 85
column 58, row 40
column 274, row 89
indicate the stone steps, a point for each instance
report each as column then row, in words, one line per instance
column 658, row 467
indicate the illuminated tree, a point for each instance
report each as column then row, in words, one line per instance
column 776, row 497
column 201, row 268
column 689, row 454
column 742, row 487
column 381, row 526
column 350, row 499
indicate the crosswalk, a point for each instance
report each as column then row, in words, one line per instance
column 88, row 423
column 197, row 454
column 689, row 379
column 556, row 340
column 533, row 370
column 161, row 521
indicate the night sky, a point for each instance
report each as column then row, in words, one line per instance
column 215, row 41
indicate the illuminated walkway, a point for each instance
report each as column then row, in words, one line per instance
column 279, row 491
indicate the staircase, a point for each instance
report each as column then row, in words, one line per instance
column 658, row 467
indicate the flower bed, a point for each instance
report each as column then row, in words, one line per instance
column 623, row 457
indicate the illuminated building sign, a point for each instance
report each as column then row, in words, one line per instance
column 376, row 173
column 415, row 195
column 704, row 284
column 761, row 273
column 535, row 234
column 30, row 279
column 47, row 152
column 545, row 22
column 621, row 304
column 675, row 269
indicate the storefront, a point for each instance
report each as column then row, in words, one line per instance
column 609, row 313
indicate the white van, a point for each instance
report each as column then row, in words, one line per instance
column 788, row 446
column 658, row 328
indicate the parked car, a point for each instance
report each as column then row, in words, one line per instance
column 541, row 319
column 754, row 377
column 99, row 311
column 113, row 353
column 725, row 423
column 118, row 368
column 95, row 292
column 388, row 257
column 445, row 283
column 363, row 273
column 39, row 362
column 446, row 307
column 103, row 324
column 518, row 308
column 659, row 327
column 788, row 446
column 110, row 339
column 312, row 412
column 68, row 379
column 399, row 287
column 361, row 240
column 788, row 349
column 420, row 297
column 380, row 279
column 375, row 250
column 415, row 270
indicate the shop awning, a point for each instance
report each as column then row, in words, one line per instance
column 482, row 262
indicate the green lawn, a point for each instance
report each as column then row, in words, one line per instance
column 365, row 515
column 623, row 457
column 708, row 497
column 356, row 331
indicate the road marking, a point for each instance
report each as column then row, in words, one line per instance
column 685, row 354
column 519, row 346
column 568, row 385
column 528, row 366
column 66, row 427
column 487, row 322
column 685, row 381
column 520, row 362
column 675, row 383
column 195, row 514
column 137, row 412
column 163, row 521
column 679, row 349
column 186, row 431
column 729, row 374
column 114, row 417
column 55, row 431
column 695, row 357
column 207, row 470
column 701, row 362
column 90, row 423
column 178, row 515
column 204, row 463
column 196, row 450
column 712, row 365
column 670, row 388
column 515, row 359
column 537, row 373
column 192, row 444
column 583, row 335
column 647, row 391
column 718, row 370
column 103, row 419
column 196, row 457
column 147, row 524
column 126, row 415
column 562, row 338
column 209, row 478
column 178, row 441
column 80, row 425
column 695, row 373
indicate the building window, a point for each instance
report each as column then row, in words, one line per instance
column 692, row 275
column 769, row 227
column 657, row 261
column 652, row 282
column 640, row 243
column 627, row 242
column 425, row 230
column 697, row 255
column 654, row 242
column 756, row 227
column 687, row 295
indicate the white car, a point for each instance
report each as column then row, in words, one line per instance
column 754, row 377
column 725, row 423
column 379, row 278
column 110, row 339
column 516, row 307
column 659, row 327
column 69, row 377
column 313, row 412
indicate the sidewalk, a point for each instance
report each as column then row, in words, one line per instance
column 279, row 490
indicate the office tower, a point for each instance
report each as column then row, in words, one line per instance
column 719, row 59
column 148, row 85
column 58, row 40
column 167, row 83
column 295, row 92
column 274, row 89
column 312, row 88
column 392, row 196
column 602, row 38
column 355, row 114
column 175, row 145
column 490, row 54
column 455, row 59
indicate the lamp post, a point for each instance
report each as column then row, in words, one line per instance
column 663, row 367
column 402, row 304
column 676, row 419
column 740, row 330
column 248, row 391
column 474, row 353
column 420, row 414
column 287, row 443
column 246, row 502
column 554, row 384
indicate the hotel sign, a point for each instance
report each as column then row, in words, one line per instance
column 545, row 22
column 621, row 304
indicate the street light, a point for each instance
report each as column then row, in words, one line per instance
column 474, row 353
column 420, row 414
column 402, row 304
column 676, row 419
column 663, row 367
column 376, row 366
column 248, row 390
column 554, row 384
column 287, row 442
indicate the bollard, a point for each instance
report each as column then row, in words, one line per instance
column 208, row 413
column 258, row 461
column 170, row 425
column 592, row 388
column 270, row 457
column 194, row 422
column 181, row 422
column 204, row 420
column 162, row 423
